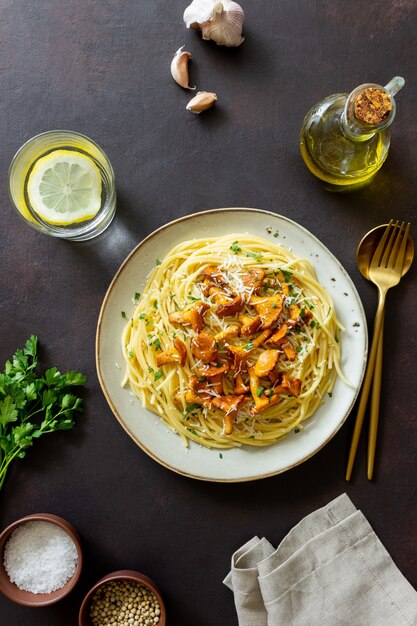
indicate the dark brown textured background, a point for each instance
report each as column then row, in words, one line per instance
column 101, row 67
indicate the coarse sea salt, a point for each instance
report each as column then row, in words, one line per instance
column 40, row 557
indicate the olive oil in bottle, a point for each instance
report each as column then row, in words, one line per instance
column 345, row 138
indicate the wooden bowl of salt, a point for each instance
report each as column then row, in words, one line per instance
column 40, row 560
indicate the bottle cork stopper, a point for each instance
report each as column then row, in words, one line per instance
column 372, row 106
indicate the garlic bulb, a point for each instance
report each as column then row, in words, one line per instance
column 201, row 102
column 219, row 20
column 179, row 68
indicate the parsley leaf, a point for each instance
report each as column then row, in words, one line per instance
column 235, row 247
column 158, row 375
column 33, row 404
column 192, row 407
column 255, row 255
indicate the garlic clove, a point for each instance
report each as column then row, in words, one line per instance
column 202, row 100
column 179, row 68
column 198, row 12
column 219, row 20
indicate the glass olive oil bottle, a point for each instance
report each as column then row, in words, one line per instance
column 345, row 138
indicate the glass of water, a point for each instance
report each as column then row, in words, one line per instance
column 62, row 184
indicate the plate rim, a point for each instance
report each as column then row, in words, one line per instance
column 100, row 321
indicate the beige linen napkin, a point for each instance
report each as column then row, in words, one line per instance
column 330, row 570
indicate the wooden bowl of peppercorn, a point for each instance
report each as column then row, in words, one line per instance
column 123, row 597
column 17, row 561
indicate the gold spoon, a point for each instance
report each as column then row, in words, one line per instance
column 364, row 254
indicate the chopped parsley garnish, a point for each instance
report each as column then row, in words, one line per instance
column 356, row 324
column 276, row 234
column 192, row 430
column 248, row 346
column 287, row 275
column 137, row 295
column 201, row 379
column 130, row 354
column 330, row 394
column 150, row 370
column 298, row 349
column 313, row 323
column 235, row 248
column 158, row 262
column 297, row 430
column 156, row 342
column 142, row 316
column 337, row 339
column 255, row 255
column 158, row 375
column 192, row 407
column 220, row 455
column 193, row 298
column 155, row 304
column 123, row 314
column 259, row 391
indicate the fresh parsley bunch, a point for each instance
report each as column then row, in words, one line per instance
column 32, row 405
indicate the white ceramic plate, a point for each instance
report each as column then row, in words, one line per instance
column 238, row 464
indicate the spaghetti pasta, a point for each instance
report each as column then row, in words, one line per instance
column 233, row 341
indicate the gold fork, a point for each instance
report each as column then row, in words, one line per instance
column 385, row 272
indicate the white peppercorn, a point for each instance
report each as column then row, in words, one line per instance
column 124, row 603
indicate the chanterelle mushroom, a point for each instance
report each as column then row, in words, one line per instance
column 213, row 371
column 289, row 351
column 212, row 276
column 253, row 279
column 175, row 354
column 240, row 387
column 226, row 306
column 228, row 333
column 250, row 325
column 269, row 308
column 229, row 308
column 241, row 353
column 193, row 317
column 204, row 347
column 229, row 405
column 291, row 385
column 278, row 337
column 266, row 362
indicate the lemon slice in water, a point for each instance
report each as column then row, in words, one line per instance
column 64, row 187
